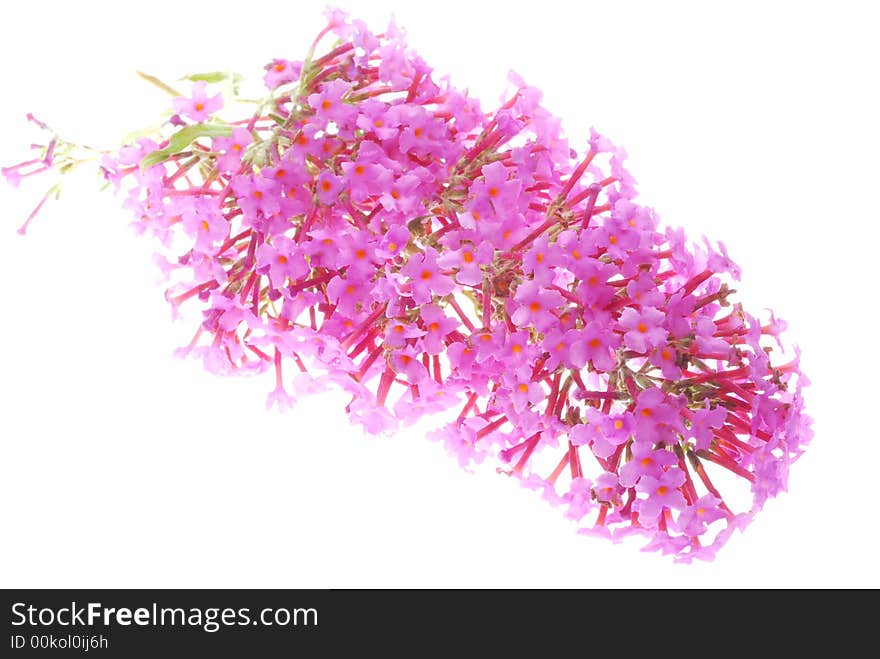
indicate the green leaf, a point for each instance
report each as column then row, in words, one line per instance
column 153, row 80
column 182, row 139
column 211, row 76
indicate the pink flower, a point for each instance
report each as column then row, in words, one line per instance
column 596, row 344
column 328, row 187
column 558, row 345
column 281, row 71
column 594, row 275
column 664, row 357
column 497, row 189
column 363, row 178
column 393, row 243
column 643, row 329
column 407, row 363
column 233, row 149
column 702, row 424
column 645, row 461
column 257, row 196
column 378, row 230
column 523, row 390
column 437, row 325
column 398, row 332
column 536, row 306
column 345, row 293
column 692, row 520
column 203, row 221
column 426, row 278
column 657, row 416
column 468, row 260
column 199, row 106
column 662, row 493
column 330, row 106
column 283, row 259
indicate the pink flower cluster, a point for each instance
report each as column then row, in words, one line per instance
column 373, row 228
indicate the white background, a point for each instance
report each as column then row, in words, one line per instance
column 121, row 466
